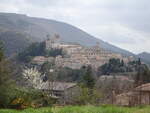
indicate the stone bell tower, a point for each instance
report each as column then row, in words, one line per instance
column 56, row 38
column 52, row 42
column 97, row 46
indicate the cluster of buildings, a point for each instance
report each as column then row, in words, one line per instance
column 77, row 55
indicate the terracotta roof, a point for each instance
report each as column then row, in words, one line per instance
column 143, row 87
column 57, row 86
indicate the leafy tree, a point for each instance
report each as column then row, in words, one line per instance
column 4, row 67
column 54, row 52
column 143, row 75
column 88, row 96
column 5, row 78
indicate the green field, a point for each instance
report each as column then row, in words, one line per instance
column 81, row 109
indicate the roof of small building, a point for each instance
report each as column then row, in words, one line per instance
column 118, row 77
column 123, row 99
column 124, row 94
column 57, row 86
column 143, row 87
column 39, row 57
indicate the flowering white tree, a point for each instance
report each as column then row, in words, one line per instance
column 33, row 76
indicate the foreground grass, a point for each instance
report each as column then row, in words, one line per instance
column 81, row 109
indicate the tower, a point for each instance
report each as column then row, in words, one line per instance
column 56, row 38
column 98, row 44
column 97, row 47
column 52, row 42
column 48, row 37
column 48, row 42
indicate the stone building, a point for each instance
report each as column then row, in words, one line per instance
column 53, row 42
column 65, row 92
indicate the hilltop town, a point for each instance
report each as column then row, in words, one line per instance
column 64, row 69
column 75, row 55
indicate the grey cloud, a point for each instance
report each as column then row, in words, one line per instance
column 43, row 3
column 94, row 16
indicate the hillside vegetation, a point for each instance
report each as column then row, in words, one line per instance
column 14, row 42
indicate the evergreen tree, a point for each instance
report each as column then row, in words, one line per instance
column 143, row 75
column 139, row 61
column 88, row 78
column 122, row 63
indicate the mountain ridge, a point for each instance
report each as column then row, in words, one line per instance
column 145, row 56
column 36, row 29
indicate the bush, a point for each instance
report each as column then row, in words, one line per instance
column 20, row 98
column 88, row 96
column 54, row 52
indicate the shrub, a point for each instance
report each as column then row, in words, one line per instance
column 21, row 98
column 88, row 96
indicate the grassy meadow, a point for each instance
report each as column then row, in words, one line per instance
column 81, row 109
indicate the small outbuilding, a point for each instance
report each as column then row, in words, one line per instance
column 138, row 96
column 65, row 92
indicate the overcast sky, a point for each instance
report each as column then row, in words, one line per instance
column 124, row 23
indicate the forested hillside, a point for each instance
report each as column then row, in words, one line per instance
column 14, row 42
